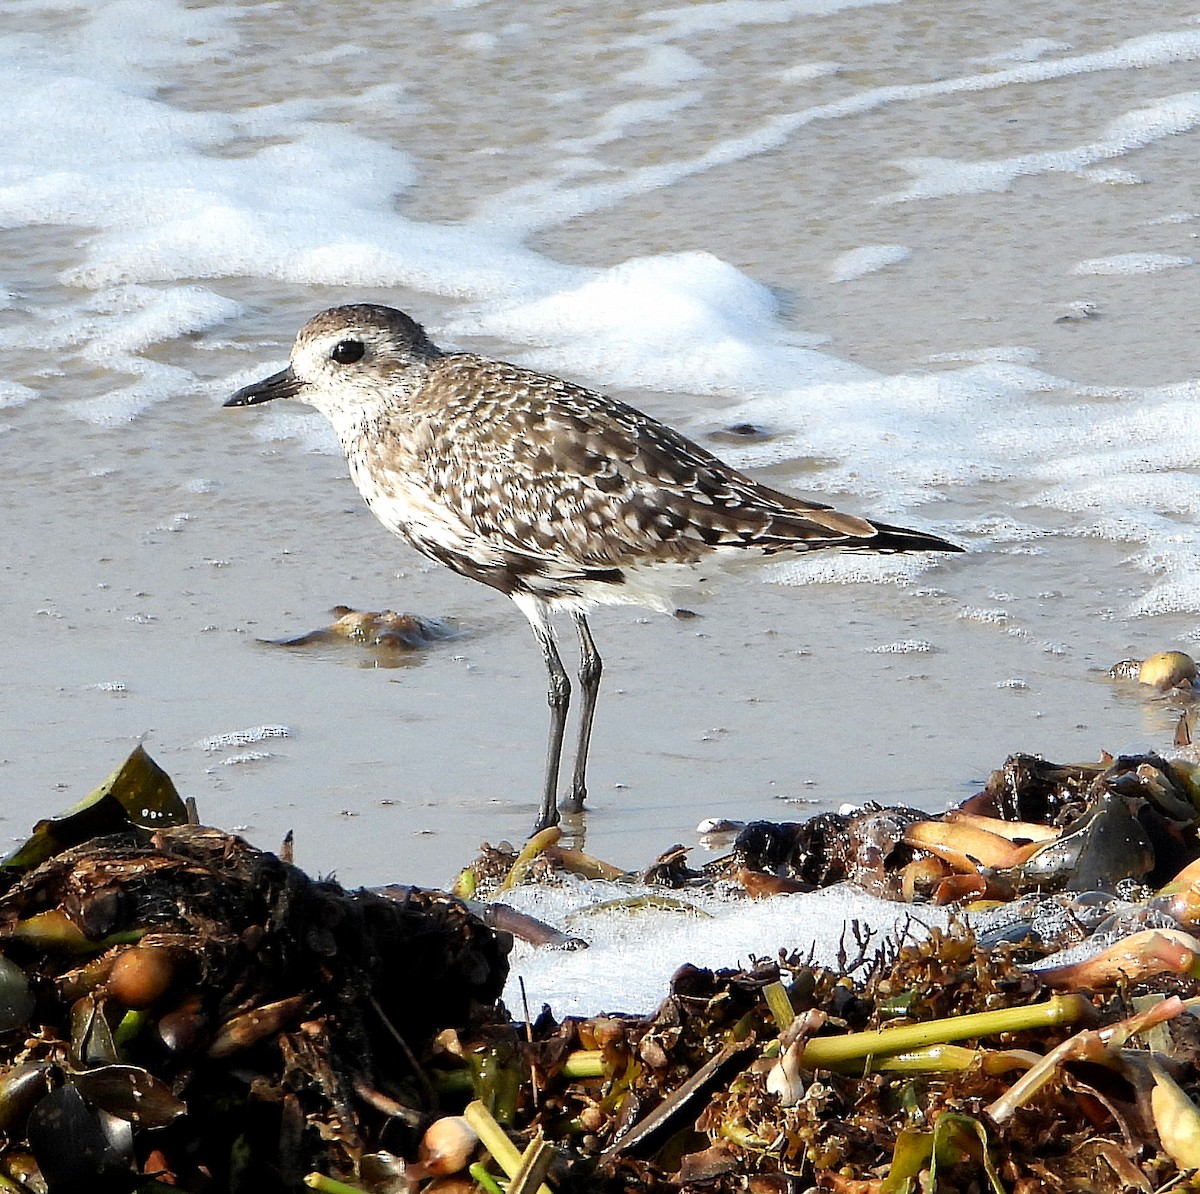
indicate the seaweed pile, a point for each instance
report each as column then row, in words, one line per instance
column 1036, row 825
column 1073, row 976
column 788, row 1077
column 179, row 1010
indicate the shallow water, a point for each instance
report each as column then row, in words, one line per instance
column 856, row 226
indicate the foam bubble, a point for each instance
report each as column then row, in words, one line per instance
column 828, row 568
column 631, row 956
column 684, row 321
column 1133, row 263
column 1113, row 176
column 922, row 434
column 664, row 66
column 157, row 383
column 244, row 737
column 869, row 259
column 1011, row 354
column 1028, row 50
column 806, row 72
column 613, row 124
column 993, row 616
column 13, row 393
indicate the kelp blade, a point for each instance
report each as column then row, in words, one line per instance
column 139, row 793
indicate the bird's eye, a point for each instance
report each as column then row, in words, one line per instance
column 346, row 352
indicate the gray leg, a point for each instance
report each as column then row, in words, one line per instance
column 559, row 698
column 590, row 667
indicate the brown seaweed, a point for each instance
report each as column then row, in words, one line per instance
column 185, row 1010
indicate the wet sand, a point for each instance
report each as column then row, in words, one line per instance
column 771, row 703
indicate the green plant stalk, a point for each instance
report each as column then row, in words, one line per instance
column 478, row 1170
column 1004, row 1061
column 54, row 932
column 535, row 1164
column 129, row 1027
column 585, row 1063
column 506, row 1089
column 933, row 1059
column 330, row 1185
column 498, row 1072
column 780, row 1005
column 492, row 1137
column 826, row 1053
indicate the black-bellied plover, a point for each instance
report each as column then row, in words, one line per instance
column 559, row 497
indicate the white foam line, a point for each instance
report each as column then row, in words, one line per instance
column 633, row 952
column 724, row 15
column 616, row 122
column 522, row 211
column 868, row 259
column 939, row 177
column 1125, row 264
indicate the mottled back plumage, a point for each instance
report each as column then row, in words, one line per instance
column 555, row 495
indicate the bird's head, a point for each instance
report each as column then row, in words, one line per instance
column 344, row 357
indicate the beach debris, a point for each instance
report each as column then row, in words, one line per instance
column 1131, row 958
column 447, row 1147
column 1176, row 1118
column 866, row 847
column 382, row 630
column 139, row 794
column 178, row 1009
column 1163, row 670
column 499, row 916
column 1034, row 826
column 183, row 1006
column 947, row 1061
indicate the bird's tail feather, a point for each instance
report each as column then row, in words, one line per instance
column 890, row 538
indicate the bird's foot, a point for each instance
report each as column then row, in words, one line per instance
column 572, row 801
column 547, row 817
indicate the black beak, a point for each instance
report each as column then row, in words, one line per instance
column 284, row 384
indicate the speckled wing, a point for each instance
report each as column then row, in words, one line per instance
column 550, row 469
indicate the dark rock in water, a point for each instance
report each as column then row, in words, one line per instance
column 735, row 432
